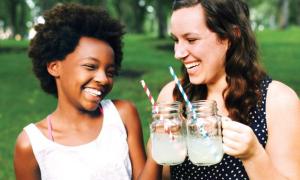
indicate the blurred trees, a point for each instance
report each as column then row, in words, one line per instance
column 143, row 16
column 14, row 14
column 283, row 13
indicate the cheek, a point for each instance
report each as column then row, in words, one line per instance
column 217, row 54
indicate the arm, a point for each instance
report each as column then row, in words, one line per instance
column 280, row 159
column 166, row 95
column 25, row 164
column 153, row 170
column 132, row 123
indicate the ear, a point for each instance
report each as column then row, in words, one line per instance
column 237, row 34
column 53, row 68
column 236, row 31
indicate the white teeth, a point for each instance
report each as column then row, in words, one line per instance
column 93, row 92
column 191, row 65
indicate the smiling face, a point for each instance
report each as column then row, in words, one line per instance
column 85, row 76
column 199, row 49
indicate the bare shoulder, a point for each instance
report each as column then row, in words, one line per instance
column 124, row 107
column 282, row 105
column 166, row 94
column 280, row 95
column 24, row 153
column 127, row 111
column 23, row 145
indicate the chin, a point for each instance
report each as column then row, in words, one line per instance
column 90, row 107
column 196, row 81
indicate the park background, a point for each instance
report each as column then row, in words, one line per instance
column 148, row 51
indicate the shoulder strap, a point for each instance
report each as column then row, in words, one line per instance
column 50, row 135
column 37, row 140
column 112, row 115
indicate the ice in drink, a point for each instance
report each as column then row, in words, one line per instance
column 205, row 151
column 168, row 149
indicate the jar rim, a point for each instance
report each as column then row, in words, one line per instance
column 204, row 101
column 167, row 103
column 167, row 107
column 203, row 105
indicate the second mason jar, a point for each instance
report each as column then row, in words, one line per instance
column 204, row 137
column 167, row 132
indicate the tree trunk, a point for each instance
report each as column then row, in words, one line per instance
column 22, row 19
column 162, row 20
column 139, row 15
column 12, row 9
column 284, row 12
column 298, row 12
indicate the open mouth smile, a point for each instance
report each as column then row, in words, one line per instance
column 191, row 65
column 93, row 92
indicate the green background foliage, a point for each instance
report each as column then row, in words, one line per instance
column 22, row 101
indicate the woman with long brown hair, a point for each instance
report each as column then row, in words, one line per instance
column 214, row 41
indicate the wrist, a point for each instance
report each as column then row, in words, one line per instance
column 257, row 154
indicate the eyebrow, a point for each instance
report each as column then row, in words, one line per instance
column 191, row 34
column 173, row 36
column 97, row 60
column 89, row 58
column 184, row 35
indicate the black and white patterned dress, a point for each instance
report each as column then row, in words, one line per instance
column 229, row 168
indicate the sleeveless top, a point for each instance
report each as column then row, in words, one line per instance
column 230, row 168
column 106, row 157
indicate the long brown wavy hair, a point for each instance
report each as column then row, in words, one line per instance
column 229, row 19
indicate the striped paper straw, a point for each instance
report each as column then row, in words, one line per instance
column 202, row 130
column 148, row 93
column 186, row 99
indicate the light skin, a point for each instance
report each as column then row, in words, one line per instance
column 77, row 120
column 197, row 46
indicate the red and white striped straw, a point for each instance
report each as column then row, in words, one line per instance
column 148, row 93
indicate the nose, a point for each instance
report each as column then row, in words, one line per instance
column 101, row 77
column 180, row 51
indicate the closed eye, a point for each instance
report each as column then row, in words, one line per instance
column 90, row 66
column 191, row 40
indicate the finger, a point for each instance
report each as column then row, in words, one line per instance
column 229, row 150
column 233, row 125
column 231, row 143
column 231, row 134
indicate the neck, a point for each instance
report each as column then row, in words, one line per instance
column 216, row 88
column 73, row 116
column 215, row 92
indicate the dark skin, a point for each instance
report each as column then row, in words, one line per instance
column 77, row 119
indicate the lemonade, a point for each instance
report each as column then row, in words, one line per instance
column 167, row 131
column 168, row 149
column 205, row 151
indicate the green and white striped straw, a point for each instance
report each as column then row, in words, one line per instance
column 186, row 99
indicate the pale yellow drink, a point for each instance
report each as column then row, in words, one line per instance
column 168, row 149
column 167, row 132
column 205, row 151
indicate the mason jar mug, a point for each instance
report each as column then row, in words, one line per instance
column 168, row 133
column 204, row 136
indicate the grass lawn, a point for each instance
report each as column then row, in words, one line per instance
column 22, row 101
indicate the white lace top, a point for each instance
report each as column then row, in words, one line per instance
column 105, row 158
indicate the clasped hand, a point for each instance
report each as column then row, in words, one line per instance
column 239, row 140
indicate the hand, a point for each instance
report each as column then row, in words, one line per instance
column 239, row 140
